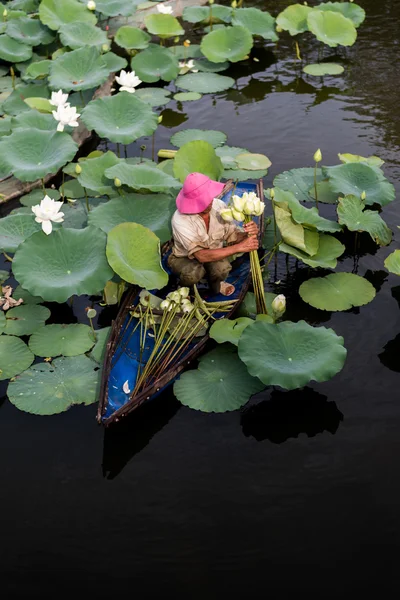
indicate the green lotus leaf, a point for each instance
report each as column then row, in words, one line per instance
column 167, row 166
column 15, row 356
column 187, row 96
column 331, row 28
column 15, row 229
column 93, row 176
column 258, row 22
column 55, row 13
column 356, row 178
column 324, row 192
column 221, row 383
column 42, row 105
column 5, row 126
column 133, row 251
column 337, row 291
column 153, row 211
column 75, row 215
column 165, row 26
column 32, row 119
column 291, row 354
column 29, row 31
column 294, row 19
column 329, row 250
column 4, row 275
column 77, row 34
column 198, row 14
column 352, row 214
column 49, row 389
column 301, row 183
column 132, row 38
column 321, row 69
column 19, row 292
column 114, row 62
column 3, row 317
column 373, row 161
column 213, row 137
column 206, row 66
column 155, row 63
column 348, row 9
column 112, row 8
column 25, row 319
column 183, row 52
column 36, row 196
column 122, row 118
column 13, row 51
column 68, row 340
column 293, row 233
column 62, row 264
column 38, row 70
column 228, row 154
column 248, row 308
column 197, row 157
column 80, row 69
column 31, row 154
column 271, row 235
column 252, row 162
column 16, row 102
column 227, row 330
column 142, row 176
column 230, row 43
column 243, row 175
column 309, row 217
column 392, row 263
column 98, row 352
column 205, row 83
column 73, row 189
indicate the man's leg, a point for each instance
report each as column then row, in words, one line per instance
column 189, row 271
column 217, row 272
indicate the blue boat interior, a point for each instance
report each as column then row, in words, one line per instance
column 126, row 359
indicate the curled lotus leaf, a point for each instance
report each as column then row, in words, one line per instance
column 329, row 250
column 321, row 69
column 38, row 70
column 155, row 63
column 142, row 177
column 355, row 178
column 350, row 10
column 331, row 28
column 187, row 96
column 80, row 69
column 76, row 35
column 257, row 21
column 294, row 234
column 197, row 157
column 309, row 217
column 154, row 96
column 122, row 118
column 229, row 43
column 294, row 18
column 68, row 340
column 392, row 263
column 15, row 356
column 55, row 13
column 25, row 319
column 206, row 66
column 337, row 291
column 16, row 102
column 351, row 212
column 113, row 8
column 373, row 161
column 252, row 162
column 13, row 51
column 229, row 330
column 29, row 31
column 205, row 83
column 62, row 264
column 198, row 14
column 212, row 136
column 99, row 349
column 165, row 26
column 132, row 38
column 93, row 176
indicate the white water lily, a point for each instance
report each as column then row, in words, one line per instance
column 125, row 387
column 58, row 98
column 239, row 202
column 66, row 115
column 164, row 10
column 91, row 5
column 226, row 214
column 46, row 212
column 279, row 305
column 128, row 81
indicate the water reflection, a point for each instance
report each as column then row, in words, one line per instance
column 172, row 118
column 390, row 355
column 288, row 414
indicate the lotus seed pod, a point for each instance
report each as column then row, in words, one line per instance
column 78, row 169
column 318, row 156
column 91, row 313
column 117, row 182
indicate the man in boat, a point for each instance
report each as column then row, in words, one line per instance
column 203, row 241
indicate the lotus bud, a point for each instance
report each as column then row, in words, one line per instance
column 226, row 214
column 250, row 207
column 272, row 193
column 5, row 13
column 174, row 297
column 91, row 5
column 91, row 313
column 239, row 203
column 237, row 215
column 234, row 4
column 160, row 118
column 117, row 182
column 187, row 43
column 363, row 195
column 78, row 169
column 105, row 47
column 176, row 40
column 210, row 1
column 279, row 305
column 184, row 292
column 259, row 208
column 318, row 156
column 279, row 29
column 305, row 3
column 165, row 305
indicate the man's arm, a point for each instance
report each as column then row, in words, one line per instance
column 246, row 245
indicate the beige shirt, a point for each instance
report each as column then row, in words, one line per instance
column 191, row 235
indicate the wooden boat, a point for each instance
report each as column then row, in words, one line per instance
column 123, row 348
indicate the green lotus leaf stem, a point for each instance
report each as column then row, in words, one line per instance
column 315, row 185
column 43, row 185
column 7, row 257
column 118, row 150
column 296, row 43
column 12, row 77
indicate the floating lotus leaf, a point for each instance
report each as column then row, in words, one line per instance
column 42, row 105
column 197, row 14
column 187, row 96
column 299, row 182
column 228, row 154
column 68, row 340
column 112, row 8
column 205, row 83
column 221, row 383
column 258, row 22
column 15, row 356
column 392, row 263
column 293, row 233
column 31, row 154
column 243, row 175
column 32, row 119
column 93, row 176
column 38, row 70
column 155, row 63
column 325, row 194
column 99, row 348
column 5, row 126
column 29, row 31
column 49, row 389
column 73, row 189
column 356, row 178
column 352, row 214
column 308, row 217
column 132, row 38
column 13, row 51
column 337, row 291
column 76, row 35
column 133, row 251
column 294, row 18
column 373, row 161
column 15, row 229
column 19, row 292
column 165, row 26
column 197, row 157
column 183, row 52
column 230, row 43
column 331, row 28
column 248, row 308
column 207, row 66
column 348, row 9
column 55, row 13
column 64, row 263
column 16, row 102
column 80, row 69
column 321, row 69
column 329, row 250
column 229, row 330
column 36, row 196
column 114, row 62
column 25, row 319
column 291, row 354
column 75, row 215
column 142, row 176
column 213, row 137
column 252, row 162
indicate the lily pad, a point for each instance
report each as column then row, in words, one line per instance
column 351, row 212
column 291, row 354
column 113, row 8
column 183, row 52
column 36, row 196
column 76, row 35
column 207, row 66
column 252, row 162
column 93, row 176
column 329, row 250
column 68, row 340
column 337, row 291
column 67, row 262
column 55, row 13
column 15, row 356
column 155, row 63
column 299, row 182
column 229, row 330
column 165, row 26
column 13, row 51
column 331, row 28
column 122, row 118
column 15, row 229
column 258, row 22
column 80, row 69
column 197, row 157
column 350, row 10
column 35, row 120
column 213, row 137
column 49, row 389
column 25, row 319
column 392, row 263
column 31, row 154
column 29, row 31
column 373, row 161
column 142, row 176
column 321, row 69
column 16, row 102
column 4, row 275
column 356, row 178
column 187, row 96
column 19, row 292
column 38, row 70
column 221, row 383
column 98, row 352
column 205, row 83
column 243, row 175
column 133, row 251
column 132, row 38
column 198, row 14
column 308, row 217
column 114, row 62
column 229, row 43
column 228, row 154
column 294, row 19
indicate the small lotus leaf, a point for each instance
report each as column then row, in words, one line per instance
column 4, row 275
column 243, row 175
column 337, row 291
column 36, row 196
column 352, row 214
column 13, row 51
column 80, row 69
column 227, row 330
column 113, row 8
column 155, row 63
column 252, row 162
column 205, row 83
column 373, row 161
column 258, row 22
column 67, row 262
column 207, row 66
column 68, row 340
column 35, row 120
column 16, row 102
column 142, row 176
column 15, row 356
column 197, row 14
column 183, row 52
column 31, row 153
column 38, row 70
column 49, row 389
column 293, row 233
column 19, row 292
column 132, row 38
column 221, row 383
column 392, row 263
column 329, row 250
column 187, row 96
column 349, row 10
column 308, row 217
column 165, row 26
column 93, row 176
column 77, row 34
column 29, row 31
column 197, row 157
column 133, row 251
column 25, row 319
column 42, row 105
column 230, row 43
column 228, row 154
column 356, row 178
column 294, row 18
column 331, row 28
column 321, row 69
column 15, row 229
column 154, row 96
column 114, row 62
column 213, row 137
column 98, row 351
column 291, row 354
column 55, row 13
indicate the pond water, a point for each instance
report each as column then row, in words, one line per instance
column 299, row 491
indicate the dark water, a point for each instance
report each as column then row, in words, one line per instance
column 297, row 494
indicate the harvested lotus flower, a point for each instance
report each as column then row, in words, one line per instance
column 47, row 212
column 226, row 214
column 58, row 98
column 128, row 81
column 164, row 10
column 237, row 215
column 184, row 292
column 239, row 202
column 66, row 115
column 6, row 300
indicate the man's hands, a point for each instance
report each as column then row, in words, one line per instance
column 251, row 228
column 247, row 245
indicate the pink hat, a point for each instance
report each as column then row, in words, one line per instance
column 197, row 193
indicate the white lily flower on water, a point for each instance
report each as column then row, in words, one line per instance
column 128, row 81
column 185, row 67
column 164, row 10
column 46, row 212
column 58, row 98
column 66, row 115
